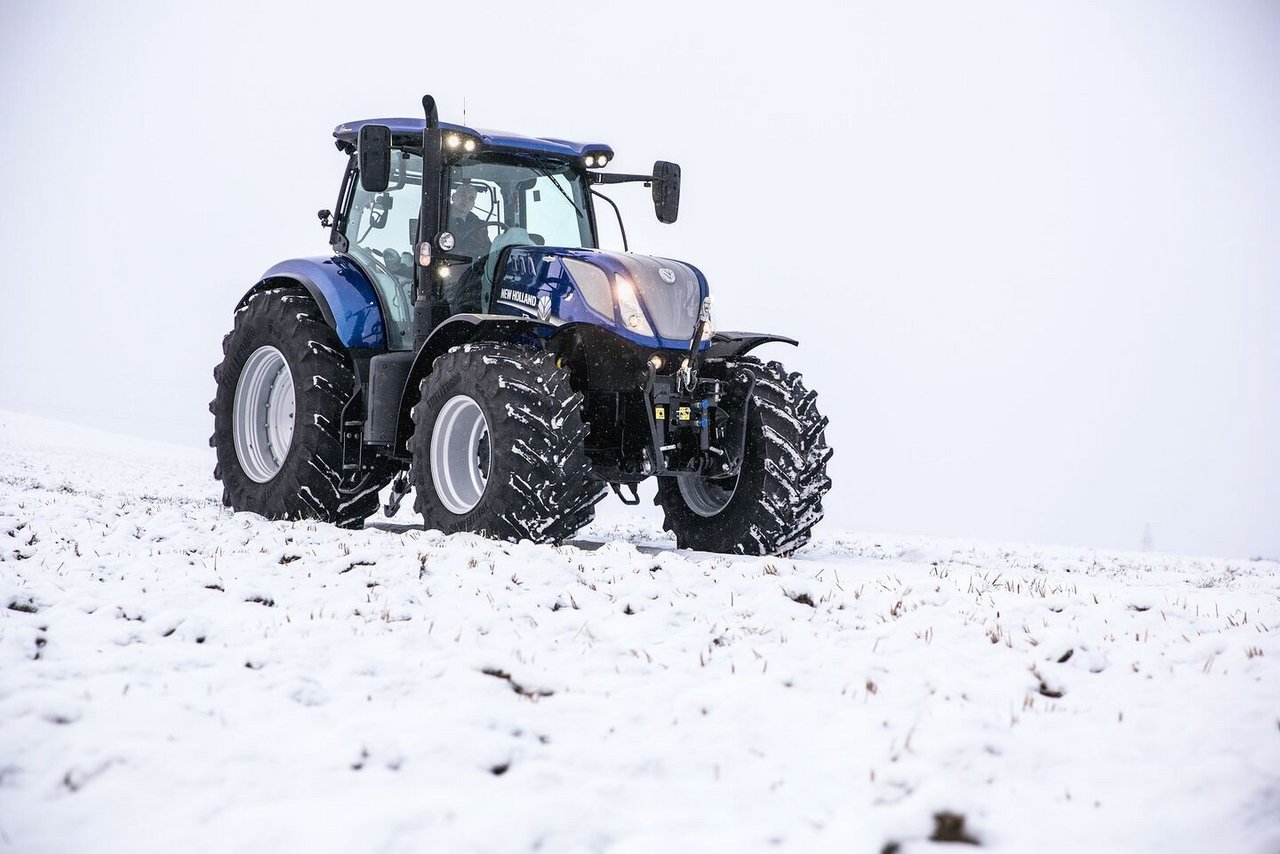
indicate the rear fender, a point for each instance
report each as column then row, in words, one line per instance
column 347, row 299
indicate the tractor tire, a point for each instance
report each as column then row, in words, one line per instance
column 277, row 416
column 771, row 506
column 498, row 446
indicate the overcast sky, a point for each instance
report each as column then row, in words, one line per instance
column 1030, row 249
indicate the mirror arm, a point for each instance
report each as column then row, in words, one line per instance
column 617, row 213
column 612, row 178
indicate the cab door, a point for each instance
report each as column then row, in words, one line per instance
column 381, row 229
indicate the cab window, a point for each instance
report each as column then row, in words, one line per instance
column 381, row 231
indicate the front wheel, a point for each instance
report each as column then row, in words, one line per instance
column 498, row 446
column 772, row 504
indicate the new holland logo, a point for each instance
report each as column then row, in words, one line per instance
column 519, row 297
column 544, row 308
column 667, row 275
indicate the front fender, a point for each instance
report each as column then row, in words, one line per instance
column 346, row 297
column 727, row 345
column 454, row 332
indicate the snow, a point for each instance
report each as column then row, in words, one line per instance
column 177, row 677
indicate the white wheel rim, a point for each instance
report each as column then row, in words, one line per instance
column 460, row 456
column 705, row 496
column 263, row 413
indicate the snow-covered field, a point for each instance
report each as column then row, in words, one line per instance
column 174, row 677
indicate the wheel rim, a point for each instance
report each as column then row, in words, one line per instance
column 461, row 455
column 707, row 496
column 263, row 414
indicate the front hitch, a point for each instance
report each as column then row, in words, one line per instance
column 689, row 435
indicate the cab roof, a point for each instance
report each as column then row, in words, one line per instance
column 347, row 133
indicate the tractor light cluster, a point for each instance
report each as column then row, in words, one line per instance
column 629, row 307
column 597, row 159
column 458, row 142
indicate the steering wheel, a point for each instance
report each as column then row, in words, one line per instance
column 396, row 266
column 496, row 223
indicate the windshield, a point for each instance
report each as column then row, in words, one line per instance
column 538, row 202
column 494, row 201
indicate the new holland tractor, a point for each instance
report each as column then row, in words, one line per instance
column 468, row 340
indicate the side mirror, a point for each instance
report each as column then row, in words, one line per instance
column 375, row 158
column 666, row 191
column 378, row 210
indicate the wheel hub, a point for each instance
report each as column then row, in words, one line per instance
column 461, row 455
column 263, row 414
column 708, row 496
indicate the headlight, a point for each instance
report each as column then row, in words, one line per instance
column 629, row 307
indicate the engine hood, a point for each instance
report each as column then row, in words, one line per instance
column 651, row 301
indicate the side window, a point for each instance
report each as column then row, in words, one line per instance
column 380, row 236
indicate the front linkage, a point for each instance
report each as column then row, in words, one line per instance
column 699, row 429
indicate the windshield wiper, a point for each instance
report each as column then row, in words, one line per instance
column 541, row 170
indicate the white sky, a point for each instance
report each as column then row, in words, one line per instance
column 1030, row 249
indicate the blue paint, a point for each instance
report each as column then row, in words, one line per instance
column 535, row 273
column 350, row 298
column 349, row 131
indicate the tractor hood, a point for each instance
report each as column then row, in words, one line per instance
column 651, row 301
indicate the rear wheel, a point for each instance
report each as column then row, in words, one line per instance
column 498, row 446
column 772, row 504
column 282, row 386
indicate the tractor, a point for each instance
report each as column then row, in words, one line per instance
column 470, row 342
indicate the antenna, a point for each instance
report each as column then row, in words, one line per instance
column 464, row 111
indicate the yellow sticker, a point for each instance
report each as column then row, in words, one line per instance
column 683, row 413
column 660, row 413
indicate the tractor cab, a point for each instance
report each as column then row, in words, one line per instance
column 484, row 193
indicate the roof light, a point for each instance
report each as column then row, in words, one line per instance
column 590, row 160
column 469, row 145
column 453, row 140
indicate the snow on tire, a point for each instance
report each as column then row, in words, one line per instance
column 282, row 385
column 498, row 446
column 771, row 506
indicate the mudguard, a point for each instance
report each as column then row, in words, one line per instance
column 457, row 330
column 726, row 345
column 347, row 299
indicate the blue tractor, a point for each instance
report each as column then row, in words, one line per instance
column 468, row 340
